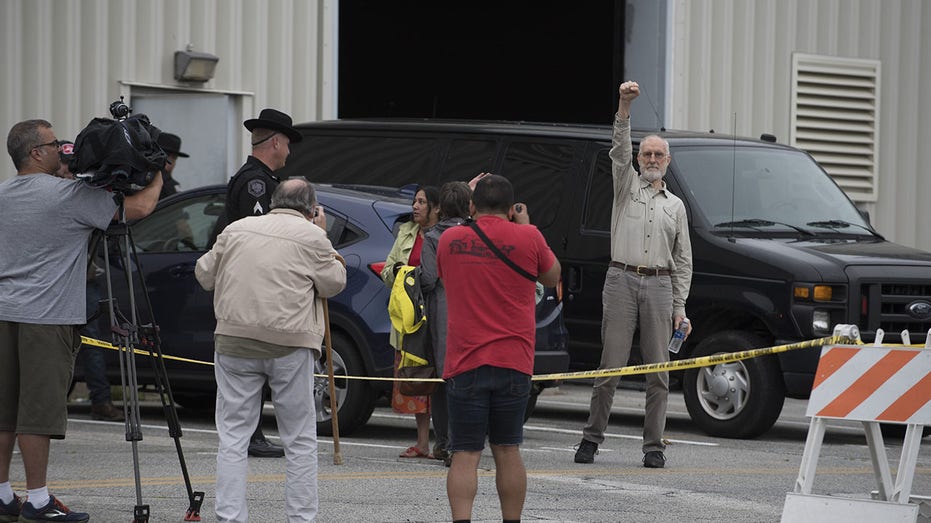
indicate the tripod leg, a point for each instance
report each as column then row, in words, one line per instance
column 125, row 336
column 163, row 389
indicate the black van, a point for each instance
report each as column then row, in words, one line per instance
column 780, row 253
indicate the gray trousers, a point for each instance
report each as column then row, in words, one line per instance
column 630, row 300
column 239, row 407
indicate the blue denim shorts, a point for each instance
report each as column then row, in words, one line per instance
column 487, row 401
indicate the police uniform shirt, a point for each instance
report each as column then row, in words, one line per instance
column 249, row 192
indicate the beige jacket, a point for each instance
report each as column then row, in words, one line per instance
column 267, row 273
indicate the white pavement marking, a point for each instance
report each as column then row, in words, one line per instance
column 208, row 431
column 537, row 428
column 572, row 432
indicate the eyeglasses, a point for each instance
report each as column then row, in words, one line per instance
column 657, row 155
column 54, row 142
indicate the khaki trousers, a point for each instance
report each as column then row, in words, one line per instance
column 631, row 300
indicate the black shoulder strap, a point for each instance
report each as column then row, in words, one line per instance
column 499, row 254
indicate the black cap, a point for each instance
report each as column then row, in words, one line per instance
column 276, row 121
column 171, row 144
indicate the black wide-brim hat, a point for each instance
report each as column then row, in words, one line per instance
column 171, row 144
column 276, row 121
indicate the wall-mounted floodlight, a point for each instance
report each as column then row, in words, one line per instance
column 194, row 66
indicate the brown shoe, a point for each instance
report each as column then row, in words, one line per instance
column 106, row 412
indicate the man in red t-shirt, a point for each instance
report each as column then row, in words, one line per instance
column 490, row 341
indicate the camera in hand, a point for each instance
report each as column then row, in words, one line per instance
column 121, row 153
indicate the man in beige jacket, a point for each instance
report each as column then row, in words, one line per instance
column 269, row 273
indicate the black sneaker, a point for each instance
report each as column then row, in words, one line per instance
column 585, row 452
column 54, row 510
column 9, row 512
column 654, row 460
column 262, row 448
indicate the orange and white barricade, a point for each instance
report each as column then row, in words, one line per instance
column 870, row 384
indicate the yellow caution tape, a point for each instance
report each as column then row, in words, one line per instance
column 690, row 363
column 97, row 343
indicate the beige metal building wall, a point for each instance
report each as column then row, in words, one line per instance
column 66, row 60
column 731, row 63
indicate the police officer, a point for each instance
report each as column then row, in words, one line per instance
column 249, row 193
column 250, row 190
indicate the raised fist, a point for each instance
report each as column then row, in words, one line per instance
column 629, row 91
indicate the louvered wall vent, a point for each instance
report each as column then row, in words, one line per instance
column 835, row 117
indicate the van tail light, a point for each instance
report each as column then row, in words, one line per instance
column 377, row 267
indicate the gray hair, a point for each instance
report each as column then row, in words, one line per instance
column 23, row 138
column 297, row 194
column 656, row 137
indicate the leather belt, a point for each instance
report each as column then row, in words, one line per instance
column 640, row 269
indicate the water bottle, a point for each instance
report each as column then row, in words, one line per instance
column 676, row 342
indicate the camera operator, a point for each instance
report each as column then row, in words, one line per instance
column 47, row 223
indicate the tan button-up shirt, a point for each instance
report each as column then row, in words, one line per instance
column 648, row 226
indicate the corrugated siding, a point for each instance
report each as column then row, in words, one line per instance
column 64, row 60
column 731, row 72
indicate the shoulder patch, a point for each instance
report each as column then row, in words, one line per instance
column 256, row 188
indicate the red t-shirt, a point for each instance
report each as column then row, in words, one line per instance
column 490, row 308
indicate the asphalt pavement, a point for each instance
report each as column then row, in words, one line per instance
column 706, row 479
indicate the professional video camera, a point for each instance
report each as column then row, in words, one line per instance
column 119, row 153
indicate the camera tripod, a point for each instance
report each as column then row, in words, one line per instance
column 128, row 337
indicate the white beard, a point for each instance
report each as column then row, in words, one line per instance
column 651, row 175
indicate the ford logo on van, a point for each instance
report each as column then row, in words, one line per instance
column 920, row 310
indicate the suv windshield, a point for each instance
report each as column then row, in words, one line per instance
column 760, row 188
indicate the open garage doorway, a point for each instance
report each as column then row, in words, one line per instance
column 520, row 60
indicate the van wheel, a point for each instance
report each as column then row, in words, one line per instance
column 355, row 399
column 742, row 399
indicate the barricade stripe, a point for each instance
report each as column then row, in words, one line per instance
column 909, row 403
column 842, row 378
column 866, row 385
column 894, row 388
column 832, row 360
